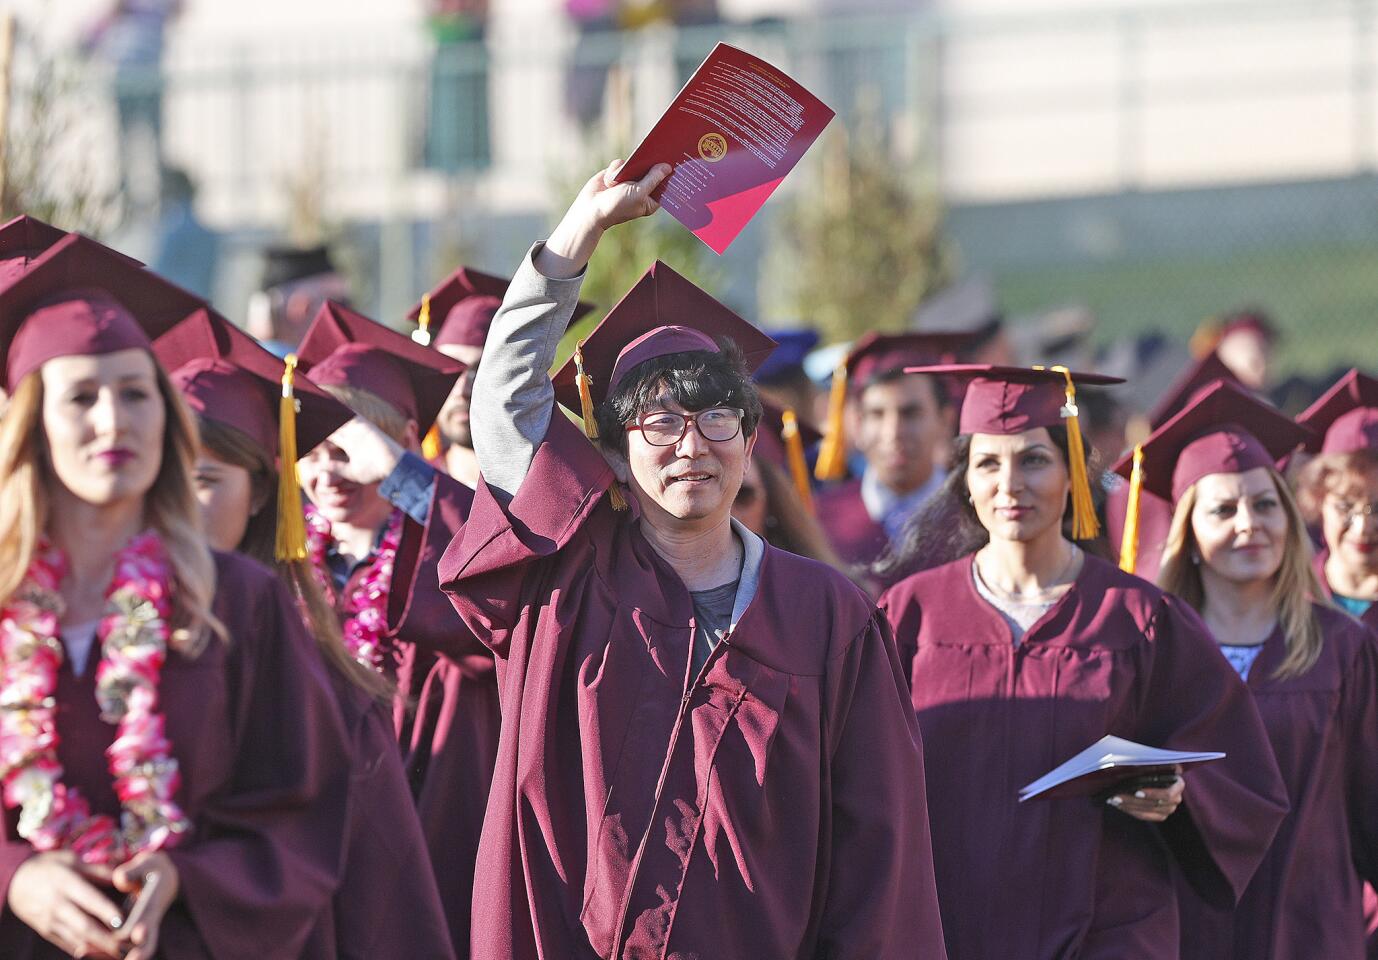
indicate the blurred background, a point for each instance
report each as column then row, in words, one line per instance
column 1106, row 176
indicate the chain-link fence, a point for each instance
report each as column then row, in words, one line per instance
column 1157, row 163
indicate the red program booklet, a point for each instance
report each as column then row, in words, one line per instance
column 732, row 134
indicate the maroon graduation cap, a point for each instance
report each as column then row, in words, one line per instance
column 1200, row 374
column 662, row 314
column 227, row 377
column 1222, row 429
column 1345, row 418
column 345, row 348
column 1008, row 400
column 81, row 298
column 22, row 240
column 871, row 357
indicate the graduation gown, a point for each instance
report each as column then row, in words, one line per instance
column 1305, row 899
column 387, row 906
column 772, row 806
column 446, row 713
column 263, row 756
column 1072, row 878
column 1370, row 617
column 858, row 539
column 1155, row 522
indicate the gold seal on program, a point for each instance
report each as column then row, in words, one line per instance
column 712, row 147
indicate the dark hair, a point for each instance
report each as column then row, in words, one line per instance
column 947, row 527
column 694, row 379
column 896, row 374
column 237, row 448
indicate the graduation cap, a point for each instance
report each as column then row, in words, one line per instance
column 22, row 240
column 1345, row 418
column 346, row 348
column 782, row 438
column 1202, row 373
column 1009, row 400
column 285, row 264
column 465, row 303
column 788, row 358
column 662, row 314
column 81, row 298
column 874, row 356
column 1222, row 429
column 225, row 376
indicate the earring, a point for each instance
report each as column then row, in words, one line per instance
column 1195, row 558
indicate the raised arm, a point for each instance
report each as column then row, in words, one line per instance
column 513, row 395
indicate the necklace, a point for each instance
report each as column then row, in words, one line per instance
column 133, row 635
column 1044, row 596
column 365, row 608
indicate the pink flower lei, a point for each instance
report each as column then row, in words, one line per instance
column 134, row 639
column 366, row 607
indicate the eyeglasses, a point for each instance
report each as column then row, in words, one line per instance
column 661, row 428
column 1348, row 511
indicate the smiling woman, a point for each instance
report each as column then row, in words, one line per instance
column 1238, row 551
column 1032, row 648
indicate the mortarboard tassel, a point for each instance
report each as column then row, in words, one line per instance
column 832, row 453
column 291, row 532
column 430, row 444
column 422, row 333
column 1129, row 542
column 585, row 384
column 794, row 449
column 1085, row 526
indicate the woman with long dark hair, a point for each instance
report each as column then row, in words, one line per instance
column 1025, row 650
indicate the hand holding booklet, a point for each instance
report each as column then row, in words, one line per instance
column 1107, row 762
column 732, row 134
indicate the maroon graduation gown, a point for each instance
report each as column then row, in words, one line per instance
column 858, row 539
column 1072, row 878
column 1155, row 522
column 264, row 762
column 1370, row 617
column 447, row 714
column 1305, row 899
column 387, row 906
column 773, row 806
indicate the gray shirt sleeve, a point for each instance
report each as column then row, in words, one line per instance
column 513, row 397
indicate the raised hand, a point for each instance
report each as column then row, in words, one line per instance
column 601, row 204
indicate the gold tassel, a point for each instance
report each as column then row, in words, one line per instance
column 832, row 453
column 291, row 532
column 1129, row 542
column 585, row 384
column 1085, row 526
column 430, row 444
column 794, row 450
column 422, row 333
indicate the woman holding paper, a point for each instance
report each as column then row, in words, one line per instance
column 1024, row 651
column 1238, row 552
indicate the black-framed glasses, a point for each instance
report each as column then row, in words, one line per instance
column 661, row 428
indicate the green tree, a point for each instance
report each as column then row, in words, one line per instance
column 860, row 244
